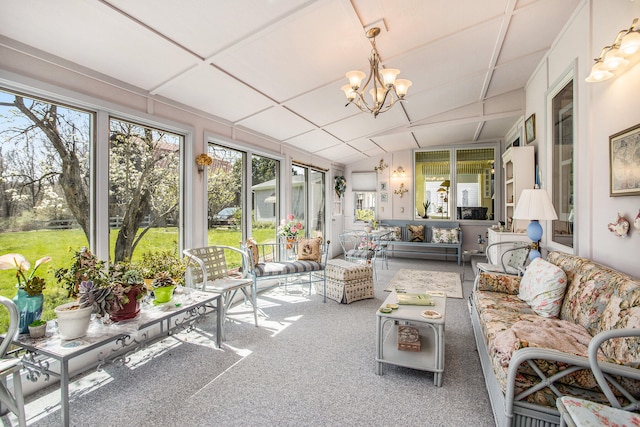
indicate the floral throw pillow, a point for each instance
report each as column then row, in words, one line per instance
column 416, row 233
column 309, row 249
column 542, row 287
column 445, row 235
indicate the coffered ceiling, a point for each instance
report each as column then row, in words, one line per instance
column 275, row 67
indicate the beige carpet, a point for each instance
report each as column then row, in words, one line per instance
column 424, row 280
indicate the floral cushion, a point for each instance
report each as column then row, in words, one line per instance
column 542, row 287
column 395, row 233
column 309, row 249
column 416, row 233
column 506, row 283
column 445, row 235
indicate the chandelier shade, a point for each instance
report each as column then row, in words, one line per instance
column 382, row 84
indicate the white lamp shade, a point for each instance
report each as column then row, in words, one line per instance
column 402, row 86
column 378, row 95
column 630, row 43
column 599, row 73
column 349, row 92
column 535, row 204
column 389, row 76
column 614, row 60
column 355, row 78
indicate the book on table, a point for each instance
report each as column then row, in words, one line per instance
column 415, row 299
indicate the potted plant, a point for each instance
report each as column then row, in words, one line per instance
column 153, row 263
column 163, row 287
column 126, row 288
column 29, row 298
column 37, row 329
column 426, row 209
column 73, row 320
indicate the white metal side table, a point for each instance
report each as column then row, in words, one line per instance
column 431, row 355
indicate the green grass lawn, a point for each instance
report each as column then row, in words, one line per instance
column 60, row 245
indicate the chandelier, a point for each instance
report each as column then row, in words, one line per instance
column 385, row 89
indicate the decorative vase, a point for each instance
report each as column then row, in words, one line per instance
column 29, row 308
column 163, row 294
column 37, row 331
column 73, row 321
column 128, row 310
column 290, row 241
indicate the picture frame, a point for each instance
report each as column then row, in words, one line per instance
column 624, row 162
column 383, row 197
column 383, row 186
column 530, row 129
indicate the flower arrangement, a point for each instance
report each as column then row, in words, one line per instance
column 290, row 227
column 340, row 185
column 366, row 244
column 30, row 283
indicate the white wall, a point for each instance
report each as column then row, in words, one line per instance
column 603, row 109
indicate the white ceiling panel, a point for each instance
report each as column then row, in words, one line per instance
column 443, row 135
column 314, row 141
column 513, row 75
column 277, row 122
column 282, row 66
column 365, row 125
column 396, row 142
column 214, row 92
column 276, row 67
column 214, row 27
column 94, row 42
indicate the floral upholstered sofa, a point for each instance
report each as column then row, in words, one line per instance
column 532, row 334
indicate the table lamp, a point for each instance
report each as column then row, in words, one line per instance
column 534, row 204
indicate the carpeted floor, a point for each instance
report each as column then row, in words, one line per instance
column 308, row 364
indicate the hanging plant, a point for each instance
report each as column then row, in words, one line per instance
column 341, row 185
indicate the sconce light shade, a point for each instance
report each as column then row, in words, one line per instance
column 630, row 44
column 399, row 173
column 534, row 204
column 599, row 73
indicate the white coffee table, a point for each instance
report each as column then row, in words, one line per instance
column 431, row 355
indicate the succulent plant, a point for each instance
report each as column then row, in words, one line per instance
column 162, row 279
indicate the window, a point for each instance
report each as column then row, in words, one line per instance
column 144, row 189
column 225, row 203
column 308, row 198
column 265, row 186
column 562, row 164
column 364, row 189
column 469, row 187
column 45, row 185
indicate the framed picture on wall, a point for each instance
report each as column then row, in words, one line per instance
column 383, row 186
column 530, row 129
column 624, row 162
column 383, row 197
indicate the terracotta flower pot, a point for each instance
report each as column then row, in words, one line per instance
column 130, row 309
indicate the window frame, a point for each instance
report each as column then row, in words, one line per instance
column 453, row 189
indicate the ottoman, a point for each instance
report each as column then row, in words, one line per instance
column 347, row 281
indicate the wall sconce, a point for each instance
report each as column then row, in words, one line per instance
column 203, row 160
column 381, row 166
column 399, row 173
column 612, row 57
column 401, row 190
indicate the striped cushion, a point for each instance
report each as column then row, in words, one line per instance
column 359, row 253
column 280, row 268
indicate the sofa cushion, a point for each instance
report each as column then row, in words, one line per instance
column 542, row 287
column 415, row 233
column 445, row 235
column 309, row 249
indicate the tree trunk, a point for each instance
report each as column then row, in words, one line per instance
column 133, row 217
